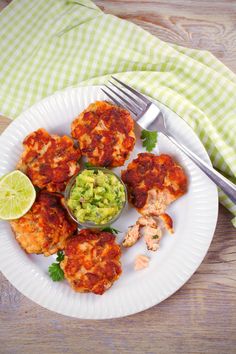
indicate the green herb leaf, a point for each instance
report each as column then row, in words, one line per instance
column 149, row 139
column 88, row 164
column 155, row 237
column 55, row 272
column 60, row 256
column 111, row 229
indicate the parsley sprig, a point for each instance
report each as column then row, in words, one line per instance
column 54, row 270
column 149, row 139
column 111, row 229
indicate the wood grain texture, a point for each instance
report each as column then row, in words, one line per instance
column 200, row 24
column 201, row 316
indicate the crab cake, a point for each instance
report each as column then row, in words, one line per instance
column 92, row 261
column 153, row 182
column 105, row 133
column 49, row 160
column 45, row 228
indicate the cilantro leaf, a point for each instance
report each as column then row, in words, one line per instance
column 55, row 272
column 60, row 256
column 111, row 229
column 149, row 139
column 88, row 164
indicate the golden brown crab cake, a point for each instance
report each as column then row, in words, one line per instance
column 45, row 227
column 153, row 182
column 105, row 133
column 92, row 261
column 49, row 160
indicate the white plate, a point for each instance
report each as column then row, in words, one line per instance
column 194, row 215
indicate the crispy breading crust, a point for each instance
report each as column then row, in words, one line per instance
column 92, row 261
column 49, row 160
column 153, row 182
column 45, row 228
column 105, row 134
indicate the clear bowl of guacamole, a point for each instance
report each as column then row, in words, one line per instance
column 95, row 197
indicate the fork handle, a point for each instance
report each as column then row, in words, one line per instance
column 227, row 186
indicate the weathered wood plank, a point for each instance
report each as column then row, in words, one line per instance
column 208, row 25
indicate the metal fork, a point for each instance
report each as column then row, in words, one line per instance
column 149, row 117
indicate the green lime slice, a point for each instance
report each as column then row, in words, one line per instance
column 17, row 194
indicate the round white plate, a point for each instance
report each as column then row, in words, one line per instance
column 194, row 215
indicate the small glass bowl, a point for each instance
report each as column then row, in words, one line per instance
column 89, row 224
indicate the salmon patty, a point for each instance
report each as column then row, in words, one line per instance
column 105, row 133
column 46, row 226
column 92, row 261
column 153, row 182
column 49, row 160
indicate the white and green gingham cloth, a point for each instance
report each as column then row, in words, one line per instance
column 48, row 45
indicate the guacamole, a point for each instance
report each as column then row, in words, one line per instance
column 96, row 197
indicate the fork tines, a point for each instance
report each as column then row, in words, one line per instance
column 127, row 97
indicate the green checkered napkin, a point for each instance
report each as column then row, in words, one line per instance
column 48, row 45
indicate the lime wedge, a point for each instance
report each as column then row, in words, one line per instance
column 17, row 194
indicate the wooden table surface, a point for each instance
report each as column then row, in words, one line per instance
column 201, row 316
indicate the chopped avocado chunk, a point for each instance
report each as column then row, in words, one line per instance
column 96, row 197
